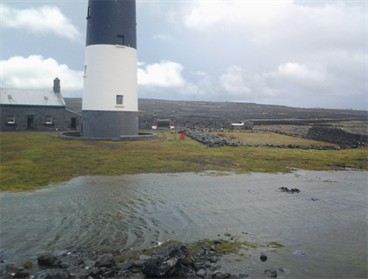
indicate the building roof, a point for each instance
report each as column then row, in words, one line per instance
column 27, row 97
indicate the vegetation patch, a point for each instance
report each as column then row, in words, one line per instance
column 30, row 161
column 275, row 244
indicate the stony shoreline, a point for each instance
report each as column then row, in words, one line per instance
column 173, row 259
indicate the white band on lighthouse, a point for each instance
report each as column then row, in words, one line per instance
column 110, row 78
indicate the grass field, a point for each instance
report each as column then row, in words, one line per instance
column 33, row 160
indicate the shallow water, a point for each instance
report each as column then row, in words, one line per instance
column 324, row 227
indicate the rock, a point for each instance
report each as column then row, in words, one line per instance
column 271, row 273
column 64, row 265
column 285, row 270
column 214, row 259
column 299, row 253
column 185, row 271
column 220, row 275
column 139, row 263
column 263, row 258
column 94, row 272
column 314, row 199
column 144, row 257
column 105, row 260
column 199, row 264
column 81, row 273
column 21, row 274
column 201, row 273
column 48, row 260
column 125, row 265
column 107, row 272
column 290, row 191
column 52, row 274
column 88, row 264
column 11, row 269
column 165, row 262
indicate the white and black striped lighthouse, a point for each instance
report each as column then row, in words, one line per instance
column 110, row 99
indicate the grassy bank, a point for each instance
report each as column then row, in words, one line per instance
column 33, row 160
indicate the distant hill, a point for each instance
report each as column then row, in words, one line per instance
column 221, row 114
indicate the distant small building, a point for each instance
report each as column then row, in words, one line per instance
column 38, row 110
column 162, row 124
column 245, row 125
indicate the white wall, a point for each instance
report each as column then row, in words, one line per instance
column 109, row 71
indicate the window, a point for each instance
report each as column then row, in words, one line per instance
column 48, row 119
column 119, row 100
column 121, row 40
column 10, row 119
column 88, row 13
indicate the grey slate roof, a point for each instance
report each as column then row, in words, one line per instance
column 27, row 97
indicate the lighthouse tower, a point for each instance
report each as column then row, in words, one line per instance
column 110, row 101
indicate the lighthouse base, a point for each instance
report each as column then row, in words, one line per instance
column 109, row 124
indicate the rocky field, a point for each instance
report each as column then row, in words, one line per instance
column 222, row 114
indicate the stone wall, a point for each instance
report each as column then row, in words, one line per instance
column 205, row 137
column 337, row 135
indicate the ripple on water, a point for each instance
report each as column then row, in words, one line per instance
column 326, row 220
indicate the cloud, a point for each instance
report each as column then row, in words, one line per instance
column 297, row 72
column 233, row 82
column 283, row 24
column 284, row 52
column 41, row 20
column 37, row 72
column 206, row 14
column 165, row 38
column 164, row 74
column 164, row 80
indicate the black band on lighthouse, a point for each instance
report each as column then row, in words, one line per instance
column 111, row 22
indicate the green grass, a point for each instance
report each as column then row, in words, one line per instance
column 33, row 160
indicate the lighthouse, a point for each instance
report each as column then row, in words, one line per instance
column 110, row 99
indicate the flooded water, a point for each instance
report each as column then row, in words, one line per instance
column 324, row 228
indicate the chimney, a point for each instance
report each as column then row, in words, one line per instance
column 56, row 85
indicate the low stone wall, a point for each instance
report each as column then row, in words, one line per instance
column 211, row 140
column 75, row 135
column 337, row 136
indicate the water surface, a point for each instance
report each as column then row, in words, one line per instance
column 324, row 227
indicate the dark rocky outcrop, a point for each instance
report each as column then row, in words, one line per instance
column 48, row 260
column 105, row 260
column 164, row 263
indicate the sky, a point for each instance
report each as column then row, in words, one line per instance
column 300, row 53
